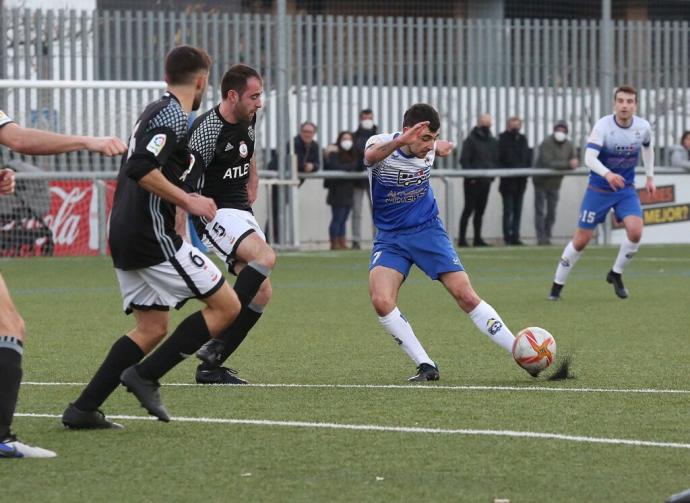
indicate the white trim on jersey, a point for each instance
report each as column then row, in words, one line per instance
column 167, row 245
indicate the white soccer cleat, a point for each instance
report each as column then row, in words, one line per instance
column 13, row 448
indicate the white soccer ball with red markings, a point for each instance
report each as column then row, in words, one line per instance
column 534, row 349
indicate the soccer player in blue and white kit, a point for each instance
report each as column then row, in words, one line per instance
column 409, row 231
column 613, row 150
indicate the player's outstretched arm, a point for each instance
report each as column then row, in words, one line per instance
column 444, row 148
column 196, row 204
column 37, row 142
column 379, row 151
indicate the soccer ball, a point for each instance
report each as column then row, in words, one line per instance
column 534, row 349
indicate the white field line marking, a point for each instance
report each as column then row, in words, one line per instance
column 409, row 386
column 399, row 429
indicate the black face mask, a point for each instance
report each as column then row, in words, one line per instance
column 485, row 129
column 514, row 131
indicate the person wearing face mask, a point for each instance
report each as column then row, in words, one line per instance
column 366, row 130
column 555, row 152
column 341, row 157
column 513, row 152
column 479, row 151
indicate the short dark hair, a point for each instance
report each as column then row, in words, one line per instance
column 183, row 63
column 366, row 111
column 308, row 123
column 625, row 89
column 421, row 112
column 235, row 79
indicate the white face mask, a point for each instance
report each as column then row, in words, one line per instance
column 560, row 136
column 367, row 124
column 346, row 144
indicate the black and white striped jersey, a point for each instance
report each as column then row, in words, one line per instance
column 223, row 151
column 142, row 225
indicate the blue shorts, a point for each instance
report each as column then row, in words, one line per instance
column 427, row 245
column 596, row 205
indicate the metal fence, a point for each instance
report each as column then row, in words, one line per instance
column 541, row 70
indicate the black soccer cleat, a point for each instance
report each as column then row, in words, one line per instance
column 211, row 352
column 77, row 419
column 425, row 372
column 555, row 293
column 617, row 281
column 146, row 392
column 217, row 375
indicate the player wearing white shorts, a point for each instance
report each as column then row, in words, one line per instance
column 12, row 329
column 222, row 142
column 613, row 150
column 156, row 269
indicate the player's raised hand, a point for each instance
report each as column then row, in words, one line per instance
column 413, row 133
column 444, row 148
column 108, row 145
column 201, row 206
column 615, row 181
column 7, row 181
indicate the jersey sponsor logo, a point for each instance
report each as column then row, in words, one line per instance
column 394, row 197
column 156, row 144
column 244, row 150
column 229, row 147
column 417, row 178
column 493, row 326
column 237, row 171
column 250, row 132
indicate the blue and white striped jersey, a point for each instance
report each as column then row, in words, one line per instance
column 400, row 191
column 619, row 148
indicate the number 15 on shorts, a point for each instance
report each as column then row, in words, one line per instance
column 588, row 217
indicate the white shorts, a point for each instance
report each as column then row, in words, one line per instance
column 190, row 274
column 226, row 231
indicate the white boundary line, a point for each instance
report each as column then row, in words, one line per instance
column 535, row 388
column 400, row 429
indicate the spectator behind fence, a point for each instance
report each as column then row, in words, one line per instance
column 307, row 149
column 340, row 157
column 680, row 154
column 479, row 151
column 366, row 130
column 513, row 152
column 555, row 152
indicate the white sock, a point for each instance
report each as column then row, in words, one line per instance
column 396, row 325
column 568, row 260
column 488, row 321
column 625, row 254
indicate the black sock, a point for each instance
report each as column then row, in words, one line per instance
column 237, row 332
column 10, row 378
column 184, row 341
column 249, row 281
column 123, row 354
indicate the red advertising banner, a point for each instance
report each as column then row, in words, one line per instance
column 73, row 218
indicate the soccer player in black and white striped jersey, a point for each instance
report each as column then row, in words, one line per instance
column 155, row 268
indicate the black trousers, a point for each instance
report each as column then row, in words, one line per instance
column 476, row 196
column 512, row 212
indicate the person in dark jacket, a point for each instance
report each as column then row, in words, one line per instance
column 479, row 151
column 307, row 149
column 341, row 157
column 513, row 152
column 555, row 152
column 366, row 130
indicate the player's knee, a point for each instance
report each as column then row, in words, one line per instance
column 154, row 330
column 383, row 304
column 263, row 296
column 467, row 299
column 13, row 324
column 267, row 258
column 634, row 235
